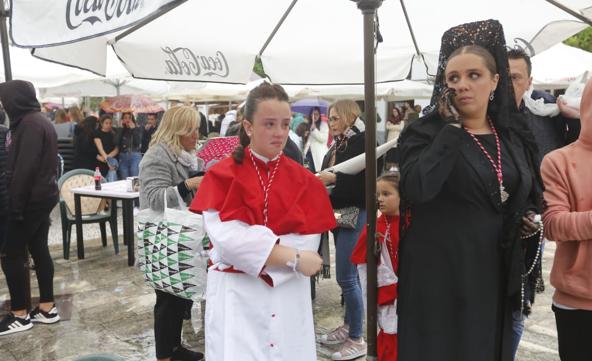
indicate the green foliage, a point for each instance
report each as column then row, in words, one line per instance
column 93, row 102
column 582, row 40
column 258, row 68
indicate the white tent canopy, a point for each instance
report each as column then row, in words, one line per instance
column 391, row 91
column 319, row 43
column 558, row 66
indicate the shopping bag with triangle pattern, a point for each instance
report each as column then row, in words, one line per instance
column 170, row 251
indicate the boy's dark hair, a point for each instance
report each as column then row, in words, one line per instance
column 518, row 53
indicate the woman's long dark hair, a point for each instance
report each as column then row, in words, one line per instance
column 318, row 122
column 132, row 118
column 102, row 120
column 89, row 125
column 391, row 118
column 264, row 91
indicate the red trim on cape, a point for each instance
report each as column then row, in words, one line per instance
column 298, row 201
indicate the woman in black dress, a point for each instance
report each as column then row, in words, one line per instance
column 85, row 150
column 469, row 190
column 107, row 149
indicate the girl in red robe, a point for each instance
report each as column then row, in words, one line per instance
column 387, row 227
column 264, row 214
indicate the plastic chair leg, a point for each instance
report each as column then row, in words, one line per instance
column 103, row 233
column 67, row 241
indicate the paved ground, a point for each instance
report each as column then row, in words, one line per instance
column 112, row 311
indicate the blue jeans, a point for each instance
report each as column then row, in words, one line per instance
column 347, row 276
column 129, row 164
column 112, row 174
column 518, row 319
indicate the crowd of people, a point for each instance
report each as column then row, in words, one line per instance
column 466, row 200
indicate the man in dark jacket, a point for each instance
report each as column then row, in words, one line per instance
column 32, row 194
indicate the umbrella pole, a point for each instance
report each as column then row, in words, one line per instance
column 368, row 8
column 5, row 45
column 571, row 12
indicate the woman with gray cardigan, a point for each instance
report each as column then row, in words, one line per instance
column 168, row 169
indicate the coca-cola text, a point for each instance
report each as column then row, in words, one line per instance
column 184, row 62
column 93, row 11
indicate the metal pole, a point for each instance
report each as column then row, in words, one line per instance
column 5, row 45
column 410, row 28
column 571, row 12
column 277, row 26
column 163, row 10
column 368, row 8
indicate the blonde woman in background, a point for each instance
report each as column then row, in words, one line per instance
column 75, row 114
column 168, row 169
column 62, row 125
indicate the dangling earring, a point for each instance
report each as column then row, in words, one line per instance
column 491, row 96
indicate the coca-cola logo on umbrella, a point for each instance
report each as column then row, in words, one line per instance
column 184, row 62
column 98, row 11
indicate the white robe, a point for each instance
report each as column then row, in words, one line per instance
column 246, row 319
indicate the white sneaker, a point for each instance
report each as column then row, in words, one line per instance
column 12, row 323
column 350, row 350
column 40, row 316
column 335, row 337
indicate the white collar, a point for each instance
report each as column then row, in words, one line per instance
column 262, row 158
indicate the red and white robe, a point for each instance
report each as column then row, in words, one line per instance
column 387, row 282
column 255, row 312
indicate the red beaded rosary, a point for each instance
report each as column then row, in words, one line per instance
column 496, row 167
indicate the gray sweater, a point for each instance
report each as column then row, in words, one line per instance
column 160, row 171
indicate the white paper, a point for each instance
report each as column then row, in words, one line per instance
column 358, row 164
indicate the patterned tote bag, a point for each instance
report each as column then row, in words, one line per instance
column 170, row 251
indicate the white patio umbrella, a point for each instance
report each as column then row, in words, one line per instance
column 38, row 23
column 100, row 87
column 331, row 53
column 319, row 42
column 42, row 73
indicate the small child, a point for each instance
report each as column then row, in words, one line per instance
column 387, row 228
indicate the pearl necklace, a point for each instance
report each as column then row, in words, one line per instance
column 534, row 262
column 264, row 187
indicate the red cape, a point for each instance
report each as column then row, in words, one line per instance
column 386, row 294
column 298, row 201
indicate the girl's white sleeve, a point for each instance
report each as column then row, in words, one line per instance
column 248, row 247
column 239, row 244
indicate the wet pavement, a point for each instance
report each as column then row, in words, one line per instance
column 111, row 310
